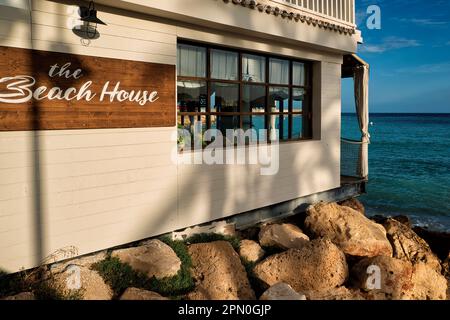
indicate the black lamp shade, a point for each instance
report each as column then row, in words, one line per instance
column 90, row 15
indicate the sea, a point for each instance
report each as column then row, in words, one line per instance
column 409, row 166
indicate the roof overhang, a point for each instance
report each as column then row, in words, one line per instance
column 351, row 61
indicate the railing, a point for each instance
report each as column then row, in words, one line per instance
column 351, row 158
column 342, row 11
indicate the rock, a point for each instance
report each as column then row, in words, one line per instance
column 218, row 273
column 439, row 242
column 80, row 279
column 140, row 294
column 281, row 291
column 153, row 258
column 446, row 266
column 352, row 232
column 283, row 236
column 428, row 284
column 341, row 293
column 399, row 280
column 86, row 261
column 446, row 273
column 404, row 220
column 408, row 246
column 400, row 218
column 21, row 296
column 355, row 204
column 385, row 278
column 318, row 266
column 251, row 251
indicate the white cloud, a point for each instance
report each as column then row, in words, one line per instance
column 442, row 67
column 423, row 22
column 389, row 43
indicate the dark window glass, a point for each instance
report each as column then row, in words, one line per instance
column 253, row 98
column 265, row 93
column 192, row 98
column 224, row 97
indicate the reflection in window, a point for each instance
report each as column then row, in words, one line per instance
column 191, row 97
column 253, row 68
column 298, row 96
column 279, row 99
column 224, row 97
column 191, row 61
column 281, row 123
column 224, row 65
column 243, row 90
column 223, row 123
column 253, row 98
column 297, row 126
column 278, row 71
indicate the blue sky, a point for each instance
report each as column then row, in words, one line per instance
column 409, row 56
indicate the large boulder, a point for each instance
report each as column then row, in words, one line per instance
column 352, row 232
column 355, row 204
column 140, row 294
column 384, row 278
column 408, row 246
column 281, row 291
column 394, row 279
column 428, row 284
column 80, row 281
column 251, row 251
column 283, row 236
column 318, row 266
column 218, row 273
column 153, row 258
column 341, row 293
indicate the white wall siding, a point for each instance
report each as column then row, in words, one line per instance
column 103, row 188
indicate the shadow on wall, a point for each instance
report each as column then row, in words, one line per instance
column 315, row 166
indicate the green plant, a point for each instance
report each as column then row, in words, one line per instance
column 121, row 276
column 32, row 281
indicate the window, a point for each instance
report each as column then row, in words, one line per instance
column 228, row 89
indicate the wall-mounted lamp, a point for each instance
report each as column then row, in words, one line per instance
column 90, row 21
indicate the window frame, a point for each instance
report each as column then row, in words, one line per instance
column 306, row 113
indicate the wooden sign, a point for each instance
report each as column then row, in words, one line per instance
column 42, row 90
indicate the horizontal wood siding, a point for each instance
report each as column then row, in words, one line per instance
column 105, row 187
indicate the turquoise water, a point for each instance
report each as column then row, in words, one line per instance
column 409, row 159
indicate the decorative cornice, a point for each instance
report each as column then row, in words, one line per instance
column 291, row 15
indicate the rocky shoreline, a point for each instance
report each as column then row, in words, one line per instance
column 332, row 252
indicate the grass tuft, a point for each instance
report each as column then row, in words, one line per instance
column 121, row 276
column 31, row 281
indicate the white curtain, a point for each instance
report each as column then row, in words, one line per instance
column 361, row 81
column 191, row 61
column 224, row 65
column 298, row 74
column 253, row 68
column 279, row 71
